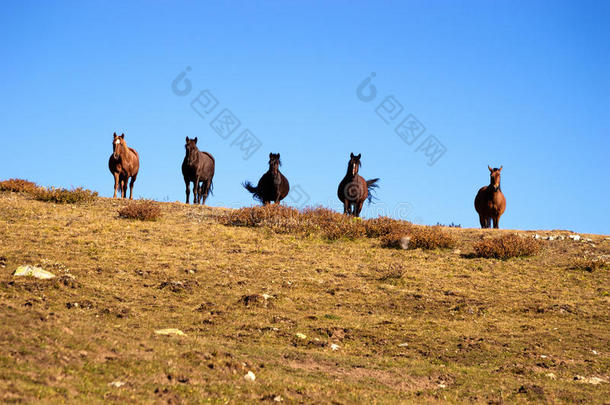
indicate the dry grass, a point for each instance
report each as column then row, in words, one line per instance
column 410, row 326
column 143, row 210
column 507, row 246
column 63, row 195
column 18, row 186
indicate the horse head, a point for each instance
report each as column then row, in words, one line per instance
column 494, row 177
column 191, row 148
column 117, row 142
column 274, row 162
column 354, row 164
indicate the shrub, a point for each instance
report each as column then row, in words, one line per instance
column 63, row 195
column 332, row 224
column 381, row 226
column 589, row 264
column 18, row 186
column 422, row 237
column 392, row 272
column 279, row 218
column 144, row 210
column 507, row 246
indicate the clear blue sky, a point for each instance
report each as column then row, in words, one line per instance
column 523, row 84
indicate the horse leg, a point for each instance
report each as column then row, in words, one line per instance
column 187, row 183
column 116, row 183
column 124, row 184
column 121, row 185
column 358, row 208
column 133, row 180
column 346, row 206
column 496, row 220
column 482, row 221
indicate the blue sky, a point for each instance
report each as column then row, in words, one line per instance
column 523, row 84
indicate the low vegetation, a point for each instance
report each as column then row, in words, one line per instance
column 143, row 210
column 507, row 246
column 64, row 195
column 333, row 226
column 590, row 264
column 18, row 186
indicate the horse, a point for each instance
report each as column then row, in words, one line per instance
column 353, row 189
column 490, row 202
column 197, row 167
column 273, row 185
column 123, row 164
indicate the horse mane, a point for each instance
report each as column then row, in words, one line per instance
column 209, row 155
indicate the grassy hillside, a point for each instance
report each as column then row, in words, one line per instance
column 315, row 320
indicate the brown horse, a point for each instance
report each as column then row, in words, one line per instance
column 490, row 202
column 197, row 167
column 272, row 186
column 353, row 189
column 123, row 164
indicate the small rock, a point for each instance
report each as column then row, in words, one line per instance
column 301, row 336
column 594, row 352
column 170, row 331
column 250, row 376
column 589, row 380
column 116, row 384
column 32, row 271
column 442, row 386
column 278, row 398
column 267, row 296
column 574, row 237
column 536, row 236
column 551, row 238
column 403, row 345
column 552, row 376
column 334, row 346
column 404, row 242
column 543, row 356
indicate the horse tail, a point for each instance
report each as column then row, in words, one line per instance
column 371, row 185
column 211, row 189
column 248, row 186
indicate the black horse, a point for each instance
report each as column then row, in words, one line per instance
column 353, row 189
column 273, row 186
column 198, row 168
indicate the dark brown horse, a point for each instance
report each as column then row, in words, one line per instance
column 123, row 164
column 490, row 202
column 353, row 189
column 197, row 167
column 272, row 186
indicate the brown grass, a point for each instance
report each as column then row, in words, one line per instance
column 63, row 195
column 143, row 210
column 18, row 186
column 507, row 246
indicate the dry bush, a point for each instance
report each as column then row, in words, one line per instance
column 279, row 218
column 63, row 195
column 18, row 186
column 418, row 237
column 332, row 224
column 144, row 210
column 507, row 246
column 589, row 264
column 382, row 226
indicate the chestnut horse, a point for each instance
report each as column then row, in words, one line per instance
column 353, row 189
column 123, row 164
column 197, row 167
column 490, row 202
column 272, row 186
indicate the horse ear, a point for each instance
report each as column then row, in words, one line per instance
column 500, row 169
column 114, row 135
column 351, row 155
column 187, row 139
column 359, row 155
column 122, row 136
column 270, row 155
column 195, row 139
column 490, row 169
column 278, row 155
